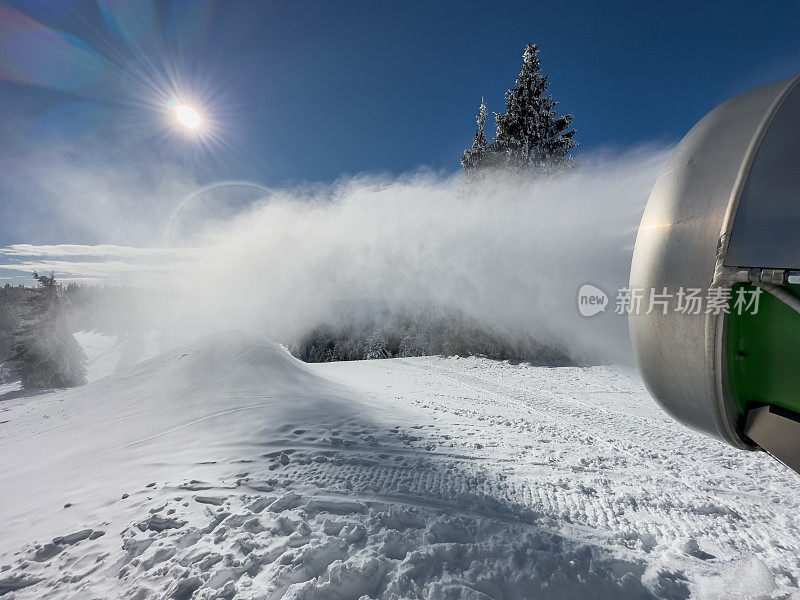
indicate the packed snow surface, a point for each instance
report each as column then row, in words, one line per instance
column 228, row 469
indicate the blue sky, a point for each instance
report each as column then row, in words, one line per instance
column 310, row 91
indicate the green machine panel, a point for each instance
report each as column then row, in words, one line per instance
column 764, row 353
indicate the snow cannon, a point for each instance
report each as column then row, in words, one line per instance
column 714, row 295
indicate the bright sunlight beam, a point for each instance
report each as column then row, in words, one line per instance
column 187, row 116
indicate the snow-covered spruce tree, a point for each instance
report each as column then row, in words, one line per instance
column 413, row 343
column 46, row 354
column 531, row 136
column 376, row 344
column 474, row 157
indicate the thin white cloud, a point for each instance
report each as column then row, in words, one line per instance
column 99, row 251
column 99, row 263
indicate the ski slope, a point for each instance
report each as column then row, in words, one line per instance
column 228, row 469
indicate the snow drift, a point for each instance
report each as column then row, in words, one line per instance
column 228, row 469
column 180, row 477
column 162, row 417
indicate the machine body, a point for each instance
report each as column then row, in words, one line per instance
column 725, row 215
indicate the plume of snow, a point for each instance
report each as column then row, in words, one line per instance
column 504, row 252
column 508, row 253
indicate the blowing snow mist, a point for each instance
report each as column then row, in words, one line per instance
column 501, row 255
column 504, row 252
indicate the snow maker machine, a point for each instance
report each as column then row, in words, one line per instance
column 724, row 218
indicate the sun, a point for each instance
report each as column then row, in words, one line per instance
column 187, row 116
column 191, row 119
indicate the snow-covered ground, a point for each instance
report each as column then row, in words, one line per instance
column 105, row 354
column 229, row 469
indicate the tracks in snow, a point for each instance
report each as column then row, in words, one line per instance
column 588, row 447
column 473, row 479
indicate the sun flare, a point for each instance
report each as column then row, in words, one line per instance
column 187, row 116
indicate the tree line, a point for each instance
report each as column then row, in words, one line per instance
column 418, row 333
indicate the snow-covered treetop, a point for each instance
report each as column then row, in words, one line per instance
column 531, row 135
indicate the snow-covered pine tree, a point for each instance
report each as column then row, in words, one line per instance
column 413, row 343
column 46, row 353
column 530, row 134
column 475, row 156
column 375, row 347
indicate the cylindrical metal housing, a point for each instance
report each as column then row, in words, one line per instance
column 726, row 205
